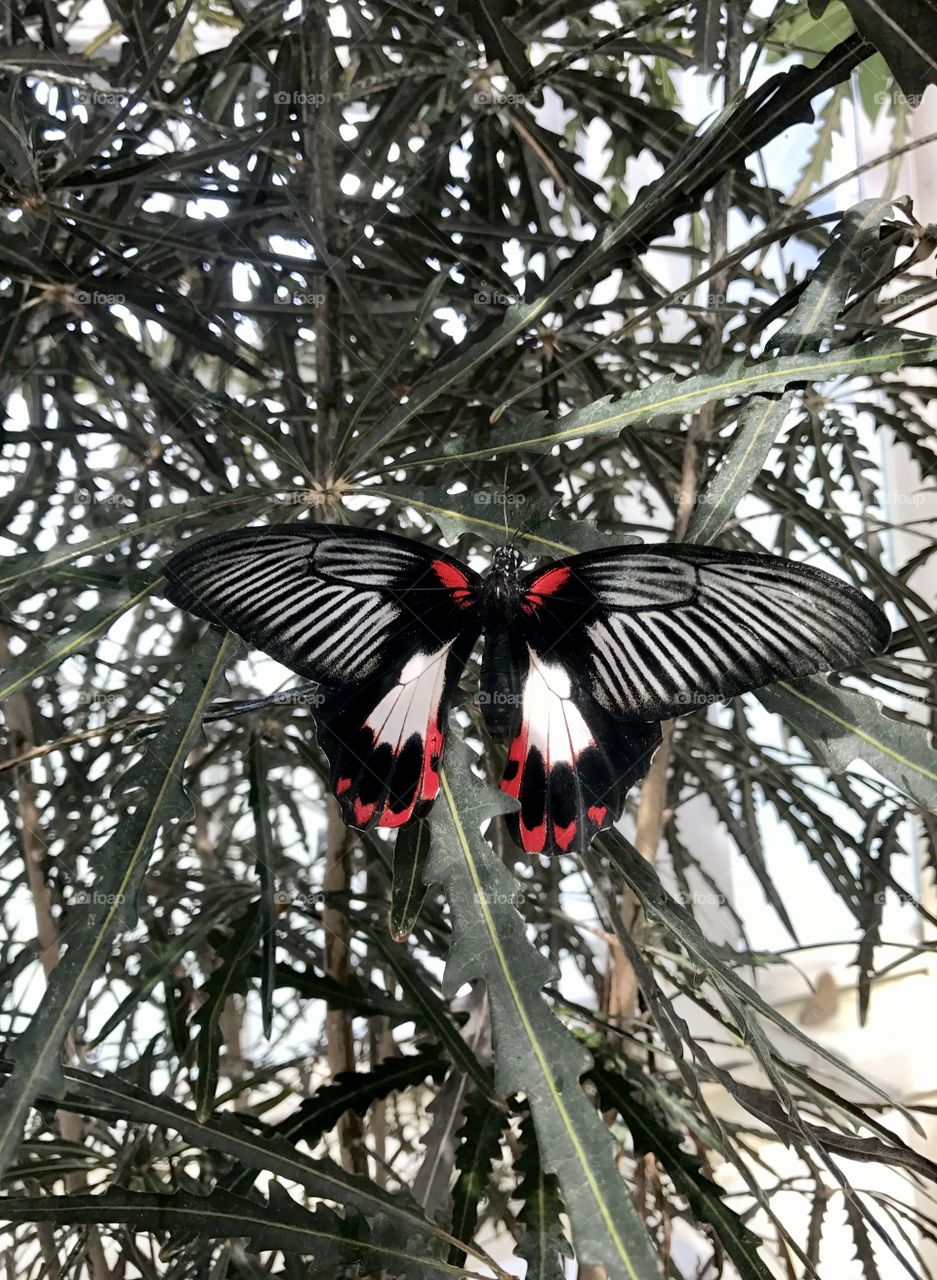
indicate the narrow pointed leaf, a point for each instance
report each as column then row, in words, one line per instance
column 534, row 1054
column 851, row 259
column 846, row 725
column 408, row 891
column 111, row 908
column 42, row 657
column 735, row 377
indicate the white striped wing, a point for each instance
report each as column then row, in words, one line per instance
column 331, row 604
column 673, row 630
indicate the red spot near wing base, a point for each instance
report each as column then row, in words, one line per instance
column 546, row 585
column 343, row 785
column 455, row 582
column 597, row 814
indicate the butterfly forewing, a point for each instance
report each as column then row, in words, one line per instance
column 664, row 631
column 384, row 625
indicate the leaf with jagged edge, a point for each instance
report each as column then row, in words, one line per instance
column 651, row 1132
column 479, row 1147
column 534, row 1053
column 501, row 516
column 40, row 565
column 430, row 1011
column 846, row 725
column 279, row 1223
column 43, row 656
column 358, row 1090
column 543, row 1246
column 736, row 377
column 408, row 889
column 850, row 261
column 741, row 998
column 231, row 977
column 155, row 781
column 255, row 1148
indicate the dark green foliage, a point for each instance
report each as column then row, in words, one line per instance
column 359, row 264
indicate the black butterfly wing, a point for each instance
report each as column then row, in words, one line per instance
column 632, row 636
column 570, row 761
column 663, row 631
column 384, row 624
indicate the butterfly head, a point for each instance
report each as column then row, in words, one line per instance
column 506, row 561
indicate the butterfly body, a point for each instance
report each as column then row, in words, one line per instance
column 581, row 660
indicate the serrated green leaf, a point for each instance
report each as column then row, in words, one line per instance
column 851, row 259
column 42, row 657
column 735, row 377
column 281, row 1223
column 534, row 1053
column 260, row 1149
column 651, row 1132
column 231, row 977
column 660, row 906
column 846, row 725
column 478, row 1149
column 543, row 1246
column 358, row 1090
column 111, row 907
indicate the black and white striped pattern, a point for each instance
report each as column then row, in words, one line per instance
column 269, row 588
column 674, row 631
column 377, row 566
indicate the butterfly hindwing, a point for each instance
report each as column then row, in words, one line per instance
column 384, row 624
column 570, row 762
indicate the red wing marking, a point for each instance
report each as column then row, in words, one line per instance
column 455, row 582
column 547, row 584
column 552, row 735
column 411, row 710
column 564, row 836
column 363, row 812
column 597, row 814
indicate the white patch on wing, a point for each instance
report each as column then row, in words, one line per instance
column 554, row 724
column 412, row 705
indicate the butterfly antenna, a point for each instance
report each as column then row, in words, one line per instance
column 504, row 504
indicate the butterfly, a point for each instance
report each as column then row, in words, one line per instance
column 582, row 658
